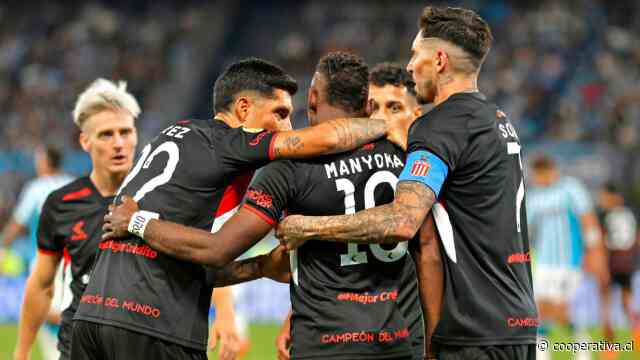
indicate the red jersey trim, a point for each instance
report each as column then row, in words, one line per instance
column 260, row 214
column 272, row 144
column 84, row 192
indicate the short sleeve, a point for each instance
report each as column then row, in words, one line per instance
column 48, row 239
column 443, row 135
column 248, row 147
column 580, row 198
column 271, row 191
column 27, row 205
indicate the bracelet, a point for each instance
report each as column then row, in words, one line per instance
column 139, row 221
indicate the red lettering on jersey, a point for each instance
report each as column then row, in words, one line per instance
column 420, row 167
column 256, row 140
column 368, row 146
column 84, row 192
column 366, row 298
column 183, row 122
column 129, row 248
column 260, row 197
column 78, row 231
column 519, row 258
column 523, row 322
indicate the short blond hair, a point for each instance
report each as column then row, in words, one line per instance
column 103, row 95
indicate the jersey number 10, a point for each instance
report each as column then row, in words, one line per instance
column 353, row 255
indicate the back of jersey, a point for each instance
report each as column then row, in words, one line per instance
column 482, row 223
column 187, row 175
column 349, row 301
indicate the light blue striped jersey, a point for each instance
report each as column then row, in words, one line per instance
column 553, row 213
column 27, row 212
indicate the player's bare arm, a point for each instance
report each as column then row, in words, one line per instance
column 218, row 249
column 337, row 136
column 426, row 255
column 390, row 223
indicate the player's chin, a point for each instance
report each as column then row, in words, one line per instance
column 119, row 166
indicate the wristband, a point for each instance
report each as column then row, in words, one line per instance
column 139, row 221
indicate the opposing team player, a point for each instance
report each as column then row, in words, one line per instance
column 141, row 303
column 71, row 219
column 349, row 302
column 465, row 152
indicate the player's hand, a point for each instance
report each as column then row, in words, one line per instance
column 283, row 341
column 225, row 334
column 116, row 222
column 397, row 134
column 21, row 355
column 291, row 233
column 275, row 265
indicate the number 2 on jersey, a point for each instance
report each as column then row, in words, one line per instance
column 144, row 162
column 353, row 255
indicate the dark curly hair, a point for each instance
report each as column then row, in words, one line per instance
column 459, row 26
column 347, row 78
column 251, row 74
column 392, row 74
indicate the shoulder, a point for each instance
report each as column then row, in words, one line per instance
column 78, row 188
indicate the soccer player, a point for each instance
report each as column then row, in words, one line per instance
column 48, row 164
column 620, row 229
column 349, row 301
column 71, row 220
column 466, row 153
column 393, row 98
column 566, row 237
column 141, row 303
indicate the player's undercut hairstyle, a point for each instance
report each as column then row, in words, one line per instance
column 250, row 74
column 347, row 77
column 392, row 74
column 104, row 95
column 461, row 27
column 54, row 156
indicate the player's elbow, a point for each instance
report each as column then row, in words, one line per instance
column 214, row 259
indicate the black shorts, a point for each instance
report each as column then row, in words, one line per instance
column 103, row 342
column 64, row 340
column 622, row 279
column 490, row 352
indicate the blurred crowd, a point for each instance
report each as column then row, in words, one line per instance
column 566, row 72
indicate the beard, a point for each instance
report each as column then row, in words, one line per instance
column 426, row 92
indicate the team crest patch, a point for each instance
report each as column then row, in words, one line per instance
column 420, row 167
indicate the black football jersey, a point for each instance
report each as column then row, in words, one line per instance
column 349, row 301
column 71, row 225
column 488, row 296
column 193, row 172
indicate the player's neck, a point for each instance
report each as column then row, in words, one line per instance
column 452, row 84
column 106, row 182
column 228, row 119
column 331, row 113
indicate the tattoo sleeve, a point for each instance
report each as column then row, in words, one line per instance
column 330, row 137
column 238, row 272
column 390, row 223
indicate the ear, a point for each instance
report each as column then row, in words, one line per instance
column 417, row 112
column 312, row 101
column 242, row 107
column 442, row 60
column 83, row 139
column 368, row 107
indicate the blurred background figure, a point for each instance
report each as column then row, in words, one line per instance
column 566, row 72
column 565, row 236
column 620, row 230
column 48, row 164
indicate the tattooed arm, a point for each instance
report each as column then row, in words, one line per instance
column 333, row 136
column 274, row 266
column 390, row 223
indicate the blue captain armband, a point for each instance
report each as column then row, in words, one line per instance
column 425, row 167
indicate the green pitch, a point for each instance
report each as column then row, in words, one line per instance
column 263, row 343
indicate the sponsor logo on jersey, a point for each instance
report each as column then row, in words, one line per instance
column 420, row 167
column 522, row 322
column 78, row 231
column 519, row 258
column 260, row 197
column 256, row 140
